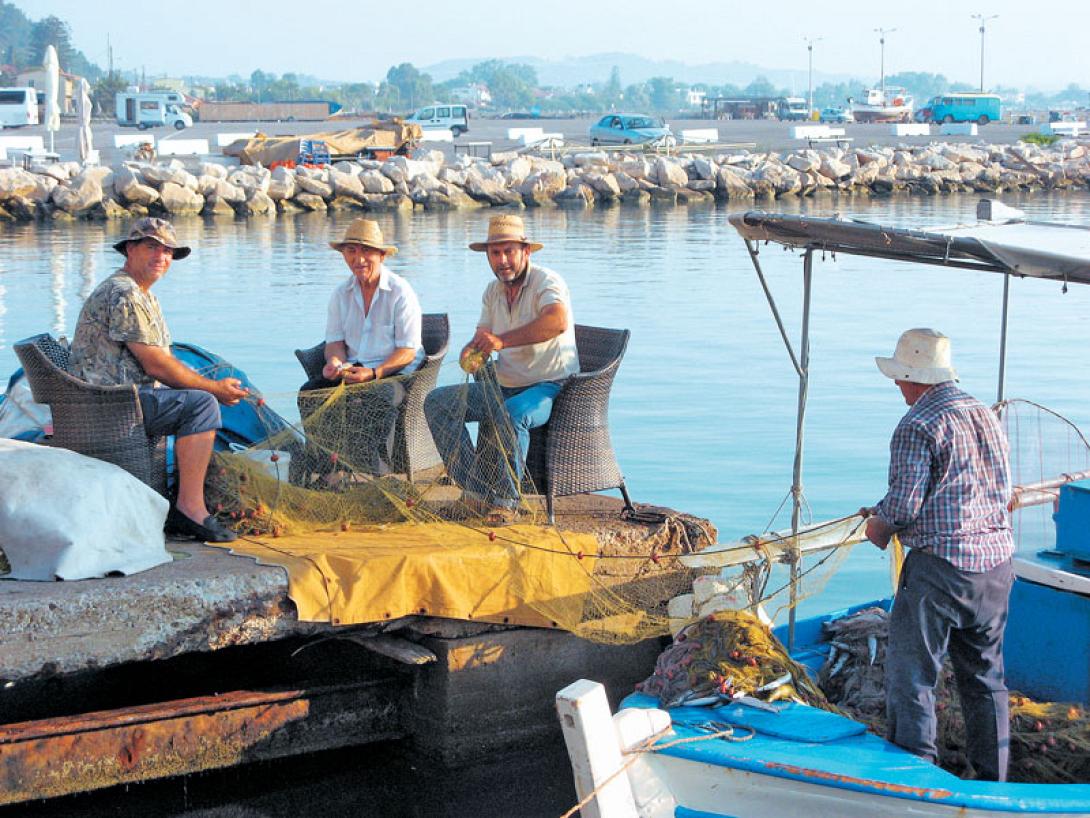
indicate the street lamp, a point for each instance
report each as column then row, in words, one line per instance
column 810, row 73
column 882, row 32
column 983, row 19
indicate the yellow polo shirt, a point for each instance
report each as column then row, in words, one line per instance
column 551, row 360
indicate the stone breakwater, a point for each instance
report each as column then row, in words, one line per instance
column 429, row 181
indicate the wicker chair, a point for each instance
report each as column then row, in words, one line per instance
column 104, row 422
column 414, row 448
column 572, row 453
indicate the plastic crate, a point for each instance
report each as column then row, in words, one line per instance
column 1073, row 521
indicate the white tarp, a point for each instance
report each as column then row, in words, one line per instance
column 66, row 516
column 52, row 83
column 85, row 138
column 1034, row 248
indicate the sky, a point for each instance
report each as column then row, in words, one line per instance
column 1028, row 46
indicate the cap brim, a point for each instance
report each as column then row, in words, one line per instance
column 899, row 372
column 339, row 245
column 482, row 246
column 178, row 253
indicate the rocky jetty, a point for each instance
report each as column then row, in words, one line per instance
column 428, row 181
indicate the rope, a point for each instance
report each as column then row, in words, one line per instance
column 649, row 746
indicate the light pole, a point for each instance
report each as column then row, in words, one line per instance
column 882, row 32
column 983, row 20
column 810, row 72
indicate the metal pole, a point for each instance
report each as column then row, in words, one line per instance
column 810, row 77
column 1003, row 337
column 796, row 485
column 983, row 22
column 882, row 32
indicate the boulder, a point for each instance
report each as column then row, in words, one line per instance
column 393, row 202
column 216, row 206
column 257, row 204
column 251, row 178
column 833, row 168
column 289, row 206
column 280, row 189
column 637, row 196
column 625, row 182
column 688, row 196
column 57, row 170
column 604, row 184
column 178, row 200
column 517, row 171
column 213, row 169
column 159, row 175
column 589, row 159
column 78, row 196
column 669, row 173
column 576, row 194
column 731, row 184
column 346, row 184
column 702, row 185
column 451, row 175
column 376, row 182
column 309, row 201
column 18, row 182
column 489, row 190
column 704, row 168
column 109, row 208
column 21, row 208
column 804, row 162
column 313, row 186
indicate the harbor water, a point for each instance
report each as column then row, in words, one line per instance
column 703, row 408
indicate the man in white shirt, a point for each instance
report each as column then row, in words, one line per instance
column 373, row 331
column 526, row 319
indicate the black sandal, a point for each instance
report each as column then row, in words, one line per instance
column 211, row 530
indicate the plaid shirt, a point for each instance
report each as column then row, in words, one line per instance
column 949, row 481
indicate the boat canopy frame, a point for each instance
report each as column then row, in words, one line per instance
column 966, row 247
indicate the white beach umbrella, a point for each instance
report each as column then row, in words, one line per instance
column 52, row 82
column 85, row 139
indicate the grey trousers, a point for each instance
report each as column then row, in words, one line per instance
column 940, row 609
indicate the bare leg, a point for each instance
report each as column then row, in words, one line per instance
column 193, row 452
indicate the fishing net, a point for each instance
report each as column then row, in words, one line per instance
column 372, row 524
column 1049, row 741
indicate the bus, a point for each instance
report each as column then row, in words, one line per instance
column 18, row 107
column 980, row 108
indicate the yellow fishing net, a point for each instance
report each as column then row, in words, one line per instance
column 371, row 522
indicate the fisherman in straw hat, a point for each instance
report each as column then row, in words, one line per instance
column 526, row 320
column 121, row 337
column 373, row 331
column 949, row 489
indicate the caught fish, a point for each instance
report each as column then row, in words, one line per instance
column 839, row 666
column 783, row 680
column 872, row 647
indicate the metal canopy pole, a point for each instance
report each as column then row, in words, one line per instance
column 796, row 486
column 1003, row 335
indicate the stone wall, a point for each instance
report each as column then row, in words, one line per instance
column 429, row 182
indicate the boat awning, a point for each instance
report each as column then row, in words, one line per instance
column 1041, row 250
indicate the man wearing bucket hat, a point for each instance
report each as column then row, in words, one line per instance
column 373, row 331
column 949, row 487
column 121, row 337
column 526, row 319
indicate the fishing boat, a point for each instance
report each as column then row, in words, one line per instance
column 887, row 104
column 731, row 758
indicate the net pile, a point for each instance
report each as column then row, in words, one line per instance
column 1050, row 741
column 336, row 486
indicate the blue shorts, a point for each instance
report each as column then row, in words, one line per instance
column 179, row 412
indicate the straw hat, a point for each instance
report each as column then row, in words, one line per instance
column 150, row 227
column 505, row 228
column 367, row 233
column 922, row 356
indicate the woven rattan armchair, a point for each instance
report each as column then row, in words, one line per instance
column 572, row 453
column 104, row 422
column 414, row 448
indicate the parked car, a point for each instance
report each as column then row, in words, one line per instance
column 518, row 115
column 628, row 129
column 442, row 115
column 834, row 114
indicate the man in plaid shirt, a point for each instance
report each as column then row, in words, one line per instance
column 949, row 486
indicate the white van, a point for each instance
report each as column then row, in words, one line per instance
column 442, row 115
column 151, row 110
column 18, row 107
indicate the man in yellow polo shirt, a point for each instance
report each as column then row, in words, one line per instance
column 526, row 319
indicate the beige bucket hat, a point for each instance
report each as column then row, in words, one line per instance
column 922, row 356
column 505, row 228
column 367, row 233
column 150, row 227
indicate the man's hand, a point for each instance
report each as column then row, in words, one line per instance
column 332, row 370
column 878, row 531
column 229, row 391
column 358, row 374
column 485, row 342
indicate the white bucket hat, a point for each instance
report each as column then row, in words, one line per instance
column 922, row 356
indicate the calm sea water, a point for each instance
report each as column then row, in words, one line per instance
column 703, row 407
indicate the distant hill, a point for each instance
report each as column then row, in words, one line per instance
column 572, row 71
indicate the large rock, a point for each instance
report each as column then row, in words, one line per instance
column 179, row 201
column 785, row 181
column 251, row 178
column 833, row 168
column 159, row 175
column 376, row 182
column 453, row 176
column 215, row 206
column 702, row 185
column 213, row 169
column 16, row 182
column 281, row 189
column 517, row 171
column 731, row 184
column 804, row 162
column 589, row 159
column 313, row 186
column 257, row 204
column 704, row 168
column 577, row 194
column 309, row 201
column 604, row 184
column 79, row 195
column 669, row 173
column 489, row 190
column 347, row 184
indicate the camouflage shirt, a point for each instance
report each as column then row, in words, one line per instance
column 116, row 313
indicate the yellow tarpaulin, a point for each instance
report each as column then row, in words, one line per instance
column 527, row 575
